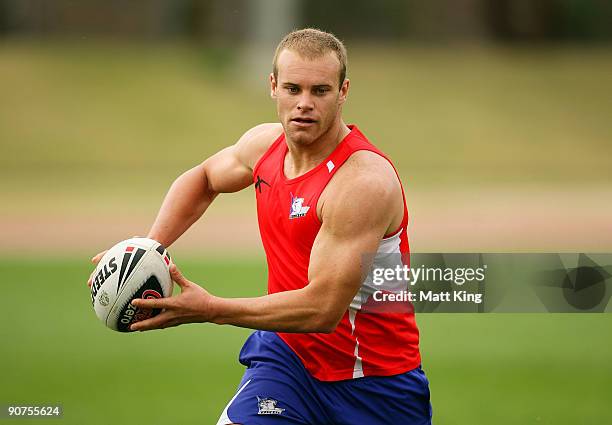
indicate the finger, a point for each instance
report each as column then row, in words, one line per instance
column 151, row 303
column 178, row 277
column 158, row 322
column 96, row 258
column 91, row 278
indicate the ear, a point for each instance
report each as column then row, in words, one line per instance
column 344, row 89
column 273, row 86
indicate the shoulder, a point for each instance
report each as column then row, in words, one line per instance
column 368, row 174
column 368, row 182
column 367, row 166
column 256, row 141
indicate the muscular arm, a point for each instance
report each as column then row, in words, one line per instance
column 229, row 170
column 335, row 270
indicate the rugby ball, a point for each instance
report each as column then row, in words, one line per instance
column 134, row 268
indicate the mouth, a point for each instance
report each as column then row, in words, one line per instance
column 303, row 121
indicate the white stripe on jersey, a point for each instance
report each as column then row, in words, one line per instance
column 388, row 255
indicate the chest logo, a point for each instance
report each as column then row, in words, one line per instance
column 259, row 184
column 298, row 209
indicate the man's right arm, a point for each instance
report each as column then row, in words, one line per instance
column 229, row 170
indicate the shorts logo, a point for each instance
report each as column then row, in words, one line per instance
column 297, row 209
column 267, row 406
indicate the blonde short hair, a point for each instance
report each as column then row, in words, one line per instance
column 311, row 43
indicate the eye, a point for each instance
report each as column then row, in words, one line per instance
column 293, row 89
column 321, row 90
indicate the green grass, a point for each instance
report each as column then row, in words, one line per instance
column 484, row 369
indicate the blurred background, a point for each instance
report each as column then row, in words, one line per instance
column 497, row 114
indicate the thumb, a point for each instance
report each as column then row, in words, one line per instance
column 178, row 277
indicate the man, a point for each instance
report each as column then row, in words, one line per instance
column 326, row 198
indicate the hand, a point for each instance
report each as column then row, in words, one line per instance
column 95, row 260
column 192, row 305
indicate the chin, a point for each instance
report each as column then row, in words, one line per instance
column 301, row 137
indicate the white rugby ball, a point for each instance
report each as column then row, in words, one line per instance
column 134, row 268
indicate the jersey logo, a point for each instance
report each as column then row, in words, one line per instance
column 267, row 406
column 259, row 183
column 297, row 209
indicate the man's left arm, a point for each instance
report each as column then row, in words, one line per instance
column 352, row 225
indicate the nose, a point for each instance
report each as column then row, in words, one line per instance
column 305, row 102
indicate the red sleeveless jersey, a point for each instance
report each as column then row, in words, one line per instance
column 364, row 343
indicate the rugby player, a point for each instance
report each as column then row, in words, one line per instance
column 326, row 197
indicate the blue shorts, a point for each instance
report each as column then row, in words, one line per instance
column 277, row 389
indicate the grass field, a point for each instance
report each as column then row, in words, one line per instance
column 500, row 149
column 484, row 369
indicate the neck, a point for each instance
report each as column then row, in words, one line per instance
column 303, row 158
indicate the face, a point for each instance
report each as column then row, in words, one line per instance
column 308, row 98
